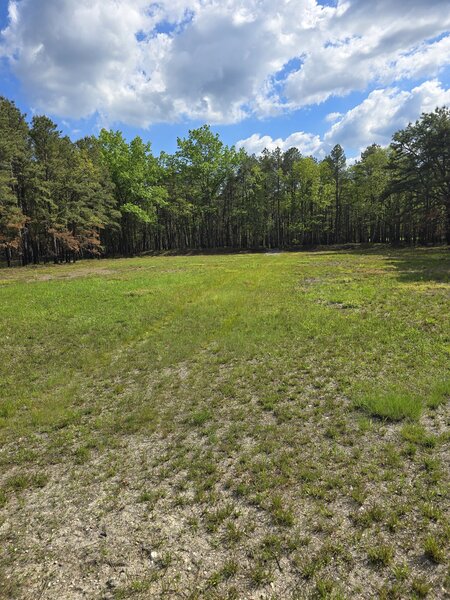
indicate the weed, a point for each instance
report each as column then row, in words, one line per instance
column 324, row 589
column 372, row 514
column 431, row 511
column 82, row 455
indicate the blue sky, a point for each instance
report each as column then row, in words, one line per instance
column 289, row 73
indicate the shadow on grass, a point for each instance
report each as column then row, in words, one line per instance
column 413, row 264
column 422, row 264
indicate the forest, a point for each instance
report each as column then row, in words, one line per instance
column 102, row 195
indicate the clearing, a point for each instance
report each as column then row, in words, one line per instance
column 237, row 427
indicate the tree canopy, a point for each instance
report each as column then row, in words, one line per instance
column 61, row 200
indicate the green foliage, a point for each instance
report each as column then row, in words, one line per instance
column 61, row 200
column 133, row 209
column 135, row 174
column 420, row 163
column 14, row 156
column 55, row 196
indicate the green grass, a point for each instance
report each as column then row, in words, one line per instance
column 391, row 405
column 439, row 394
column 398, row 404
column 434, row 549
column 241, row 425
column 380, row 555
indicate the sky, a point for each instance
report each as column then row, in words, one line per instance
column 262, row 73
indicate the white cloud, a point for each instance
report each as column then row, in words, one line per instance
column 332, row 117
column 307, row 143
column 143, row 62
column 375, row 120
column 383, row 112
column 356, row 51
column 70, row 55
column 380, row 41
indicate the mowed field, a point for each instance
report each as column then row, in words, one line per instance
column 237, row 427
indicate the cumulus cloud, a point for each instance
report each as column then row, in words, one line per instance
column 383, row 112
column 142, row 62
column 307, row 143
column 71, row 55
column 375, row 120
column 369, row 42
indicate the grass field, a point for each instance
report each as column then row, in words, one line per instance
column 236, row 427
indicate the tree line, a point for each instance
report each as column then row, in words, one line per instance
column 102, row 195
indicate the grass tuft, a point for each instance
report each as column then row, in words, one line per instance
column 420, row 587
column 200, row 417
column 439, row 394
column 391, row 406
column 434, row 550
column 380, row 555
column 417, row 434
